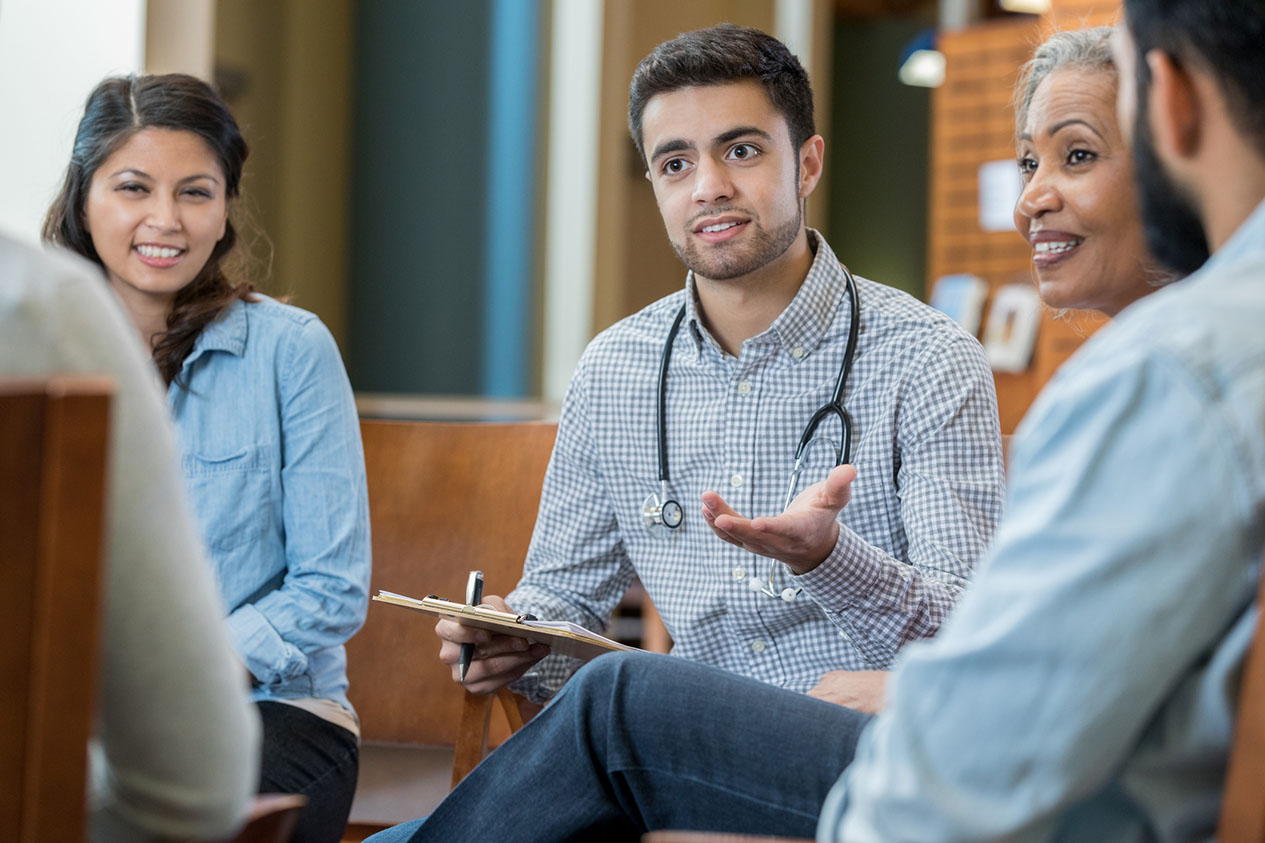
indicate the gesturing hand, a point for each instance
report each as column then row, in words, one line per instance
column 802, row 536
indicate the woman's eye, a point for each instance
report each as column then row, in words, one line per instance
column 198, row 193
column 1080, row 156
column 743, row 151
column 131, row 187
column 1027, row 166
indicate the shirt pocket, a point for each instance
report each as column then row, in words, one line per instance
column 231, row 496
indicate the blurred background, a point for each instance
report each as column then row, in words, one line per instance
column 451, row 187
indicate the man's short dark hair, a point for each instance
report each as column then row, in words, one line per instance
column 1225, row 37
column 718, row 55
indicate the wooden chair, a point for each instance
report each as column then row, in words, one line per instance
column 272, row 819
column 1243, row 806
column 53, row 445
column 444, row 499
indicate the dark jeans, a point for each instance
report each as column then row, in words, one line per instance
column 637, row 742
column 303, row 753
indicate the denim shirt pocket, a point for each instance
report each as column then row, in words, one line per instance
column 231, row 495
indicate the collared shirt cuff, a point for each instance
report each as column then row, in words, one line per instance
column 847, row 576
column 531, row 686
column 266, row 654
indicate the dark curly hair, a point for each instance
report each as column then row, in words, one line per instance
column 117, row 109
column 717, row 55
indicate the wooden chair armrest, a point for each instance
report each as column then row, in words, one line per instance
column 476, row 715
column 272, row 819
column 526, row 710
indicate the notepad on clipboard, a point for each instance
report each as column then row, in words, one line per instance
column 561, row 636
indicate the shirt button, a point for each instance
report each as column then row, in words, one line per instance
column 797, row 352
column 735, row 480
column 740, row 573
column 757, row 646
column 744, row 388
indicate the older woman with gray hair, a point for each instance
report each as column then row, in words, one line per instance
column 1079, row 208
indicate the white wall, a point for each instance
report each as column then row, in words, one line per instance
column 52, row 53
column 570, row 228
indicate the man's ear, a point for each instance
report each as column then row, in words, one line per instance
column 811, row 159
column 1174, row 106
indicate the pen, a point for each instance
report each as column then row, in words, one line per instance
column 474, row 593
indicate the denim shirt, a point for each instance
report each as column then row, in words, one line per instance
column 271, row 454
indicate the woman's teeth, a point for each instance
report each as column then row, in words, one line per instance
column 1048, row 246
column 157, row 251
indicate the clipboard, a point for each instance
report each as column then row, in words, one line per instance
column 562, row 637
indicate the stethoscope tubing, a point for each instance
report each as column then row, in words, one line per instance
column 659, row 511
column 834, row 408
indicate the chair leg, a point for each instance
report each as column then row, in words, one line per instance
column 509, row 705
column 472, row 734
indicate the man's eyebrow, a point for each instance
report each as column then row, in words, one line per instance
column 675, row 145
column 739, row 132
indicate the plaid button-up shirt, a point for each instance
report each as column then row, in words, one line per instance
column 928, row 492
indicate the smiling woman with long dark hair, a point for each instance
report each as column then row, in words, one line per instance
column 270, row 439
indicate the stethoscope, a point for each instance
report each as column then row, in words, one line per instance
column 661, row 514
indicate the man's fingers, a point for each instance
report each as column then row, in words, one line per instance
column 497, row 603
column 488, row 674
column 716, row 505
column 837, row 488
column 452, row 631
column 756, row 535
column 486, row 647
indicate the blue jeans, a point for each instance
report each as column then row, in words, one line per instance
column 637, row 742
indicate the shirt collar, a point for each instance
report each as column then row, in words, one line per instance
column 1246, row 239
column 805, row 321
column 227, row 332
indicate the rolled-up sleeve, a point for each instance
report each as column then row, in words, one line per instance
column 950, row 482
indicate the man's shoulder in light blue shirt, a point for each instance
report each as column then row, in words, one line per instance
column 1084, row 687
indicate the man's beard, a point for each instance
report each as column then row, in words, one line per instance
column 728, row 260
column 1171, row 224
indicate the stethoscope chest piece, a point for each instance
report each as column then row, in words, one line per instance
column 659, row 512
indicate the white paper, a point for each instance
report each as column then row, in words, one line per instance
column 1011, row 333
column 962, row 297
column 999, row 189
column 567, row 626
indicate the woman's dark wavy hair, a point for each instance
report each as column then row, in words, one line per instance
column 117, row 109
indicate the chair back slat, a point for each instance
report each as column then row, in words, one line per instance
column 444, row 499
column 53, row 445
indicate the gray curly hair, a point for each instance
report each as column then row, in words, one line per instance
column 1088, row 49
